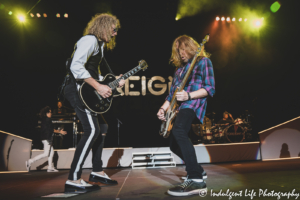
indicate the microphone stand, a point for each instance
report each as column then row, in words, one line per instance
column 119, row 123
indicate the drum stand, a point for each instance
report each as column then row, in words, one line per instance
column 199, row 140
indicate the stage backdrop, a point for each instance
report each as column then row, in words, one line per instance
column 250, row 68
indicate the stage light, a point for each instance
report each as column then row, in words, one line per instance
column 223, row 18
column 45, row 15
column 233, row 19
column 257, row 23
column 245, row 19
column 10, row 12
column 275, row 6
column 178, row 17
column 38, row 14
column 228, row 19
column 58, row 15
column 218, row 18
column 21, row 18
column 240, row 19
column 31, row 15
column 66, row 15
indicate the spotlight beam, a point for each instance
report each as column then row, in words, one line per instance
column 33, row 6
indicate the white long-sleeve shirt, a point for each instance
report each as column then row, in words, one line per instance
column 87, row 46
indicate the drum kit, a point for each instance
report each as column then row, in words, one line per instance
column 210, row 133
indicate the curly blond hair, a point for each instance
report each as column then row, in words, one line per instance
column 100, row 26
column 191, row 47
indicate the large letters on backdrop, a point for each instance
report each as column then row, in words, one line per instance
column 131, row 81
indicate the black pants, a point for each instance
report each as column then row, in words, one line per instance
column 98, row 145
column 89, row 140
column 181, row 145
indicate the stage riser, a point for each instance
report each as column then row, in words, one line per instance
column 114, row 157
column 281, row 141
column 14, row 151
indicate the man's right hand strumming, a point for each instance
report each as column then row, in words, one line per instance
column 161, row 114
column 104, row 90
column 162, row 111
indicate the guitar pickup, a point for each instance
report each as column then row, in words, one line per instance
column 98, row 95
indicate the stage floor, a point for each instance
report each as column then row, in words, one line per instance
column 280, row 176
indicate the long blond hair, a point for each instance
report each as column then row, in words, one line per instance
column 191, row 47
column 100, row 26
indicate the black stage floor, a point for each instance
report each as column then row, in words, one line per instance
column 280, row 176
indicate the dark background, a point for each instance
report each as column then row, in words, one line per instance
column 255, row 72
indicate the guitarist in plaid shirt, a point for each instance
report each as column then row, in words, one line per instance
column 193, row 101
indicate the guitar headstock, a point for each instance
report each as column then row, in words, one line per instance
column 143, row 65
column 206, row 39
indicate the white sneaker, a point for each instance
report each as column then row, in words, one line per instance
column 81, row 187
column 52, row 170
column 102, row 176
column 82, row 183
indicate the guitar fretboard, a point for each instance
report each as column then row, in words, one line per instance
column 115, row 83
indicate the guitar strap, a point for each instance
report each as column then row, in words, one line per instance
column 107, row 66
column 103, row 58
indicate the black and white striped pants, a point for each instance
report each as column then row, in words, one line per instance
column 89, row 140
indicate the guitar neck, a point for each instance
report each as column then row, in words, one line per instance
column 114, row 84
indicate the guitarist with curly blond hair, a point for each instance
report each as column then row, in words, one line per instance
column 84, row 67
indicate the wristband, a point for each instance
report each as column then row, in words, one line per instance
column 189, row 96
column 163, row 110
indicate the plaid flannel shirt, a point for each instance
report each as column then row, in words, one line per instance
column 202, row 76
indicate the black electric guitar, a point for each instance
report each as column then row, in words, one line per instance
column 94, row 101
